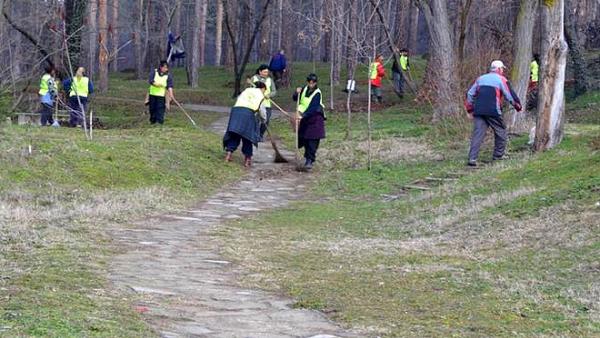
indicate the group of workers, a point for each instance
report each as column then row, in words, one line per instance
column 76, row 88
column 250, row 115
column 400, row 70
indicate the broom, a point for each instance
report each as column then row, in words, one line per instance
column 299, row 167
column 278, row 157
column 185, row 112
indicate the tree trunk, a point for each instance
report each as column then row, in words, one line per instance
column 549, row 129
column 442, row 62
column 202, row 33
column 140, row 41
column 522, row 56
column 414, row 29
column 103, row 45
column 404, row 28
column 115, row 36
column 280, row 31
column 575, row 51
column 93, row 38
column 464, row 16
column 195, row 57
column 219, row 33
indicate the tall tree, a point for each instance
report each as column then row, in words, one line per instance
column 195, row 57
column 241, row 52
column 202, row 31
column 522, row 56
column 575, row 51
column 442, row 64
column 74, row 15
column 103, row 45
column 414, row 29
column 219, row 33
column 93, row 37
column 549, row 128
column 114, row 28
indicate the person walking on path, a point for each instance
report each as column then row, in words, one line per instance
column 244, row 122
column 79, row 87
column 376, row 73
column 47, row 92
column 483, row 103
column 160, row 93
column 262, row 75
column 312, row 119
column 278, row 65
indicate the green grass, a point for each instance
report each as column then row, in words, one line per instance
column 60, row 201
column 509, row 249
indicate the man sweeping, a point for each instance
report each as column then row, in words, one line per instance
column 312, row 119
column 244, row 123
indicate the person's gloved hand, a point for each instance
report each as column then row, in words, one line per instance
column 518, row 106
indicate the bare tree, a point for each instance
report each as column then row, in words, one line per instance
column 241, row 52
column 202, row 30
column 195, row 55
column 549, row 129
column 103, row 44
column 140, row 37
column 442, row 64
column 575, row 51
column 219, row 33
column 93, row 37
column 114, row 29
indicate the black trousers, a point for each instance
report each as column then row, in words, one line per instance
column 46, row 113
column 310, row 148
column 156, row 106
column 264, row 125
column 233, row 143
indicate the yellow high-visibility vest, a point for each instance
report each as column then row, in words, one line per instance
column 250, row 98
column 535, row 70
column 374, row 66
column 305, row 101
column 44, row 84
column 404, row 62
column 160, row 89
column 80, row 86
column 267, row 83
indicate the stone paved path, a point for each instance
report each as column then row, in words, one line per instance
column 188, row 290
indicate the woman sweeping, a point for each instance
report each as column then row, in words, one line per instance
column 244, row 123
column 312, row 119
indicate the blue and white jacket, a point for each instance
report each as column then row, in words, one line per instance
column 484, row 98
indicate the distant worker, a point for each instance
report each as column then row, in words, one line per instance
column 244, row 123
column 278, row 66
column 312, row 120
column 400, row 68
column 262, row 75
column 160, row 92
column 79, row 88
column 48, row 92
column 532, row 89
column 377, row 72
column 483, row 104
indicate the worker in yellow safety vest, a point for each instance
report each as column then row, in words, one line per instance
column 534, row 69
column 78, row 88
column 47, row 92
column 312, row 119
column 376, row 73
column 244, row 122
column 160, row 93
column 262, row 75
column 400, row 66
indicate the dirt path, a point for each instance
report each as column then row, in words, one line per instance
column 187, row 290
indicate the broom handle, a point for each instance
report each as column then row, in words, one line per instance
column 185, row 112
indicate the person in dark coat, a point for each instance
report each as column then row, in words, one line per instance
column 79, row 88
column 244, row 122
column 312, row 119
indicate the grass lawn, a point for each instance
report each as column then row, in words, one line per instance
column 506, row 250
column 58, row 203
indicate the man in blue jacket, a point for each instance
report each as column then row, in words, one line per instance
column 277, row 66
column 484, row 106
